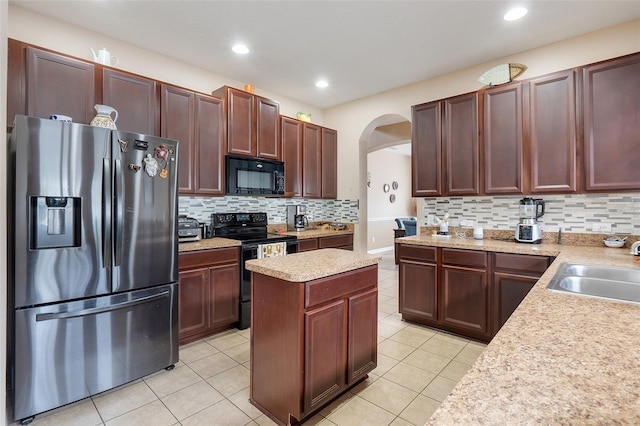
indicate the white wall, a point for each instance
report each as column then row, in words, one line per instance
column 385, row 167
column 33, row 28
column 351, row 119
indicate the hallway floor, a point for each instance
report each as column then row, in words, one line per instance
column 417, row 368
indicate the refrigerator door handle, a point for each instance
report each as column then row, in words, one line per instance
column 106, row 213
column 118, row 209
column 95, row 311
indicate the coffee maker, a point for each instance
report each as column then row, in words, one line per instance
column 528, row 230
column 296, row 218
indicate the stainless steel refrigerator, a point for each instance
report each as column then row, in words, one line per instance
column 93, row 261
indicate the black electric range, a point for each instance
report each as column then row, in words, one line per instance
column 251, row 230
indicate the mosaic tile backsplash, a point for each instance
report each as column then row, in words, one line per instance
column 572, row 213
column 201, row 208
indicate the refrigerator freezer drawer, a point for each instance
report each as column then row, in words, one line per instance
column 69, row 351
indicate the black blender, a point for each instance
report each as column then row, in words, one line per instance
column 528, row 230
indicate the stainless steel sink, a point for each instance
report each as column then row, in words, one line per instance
column 607, row 282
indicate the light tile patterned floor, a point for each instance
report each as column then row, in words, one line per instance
column 417, row 368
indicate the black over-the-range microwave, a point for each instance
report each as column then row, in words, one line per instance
column 254, row 176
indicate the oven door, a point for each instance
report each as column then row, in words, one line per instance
column 249, row 252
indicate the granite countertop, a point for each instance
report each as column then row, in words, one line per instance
column 559, row 359
column 212, row 243
column 311, row 265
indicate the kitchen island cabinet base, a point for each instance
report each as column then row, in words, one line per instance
column 304, row 338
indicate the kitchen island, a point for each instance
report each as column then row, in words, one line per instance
column 314, row 322
column 559, row 359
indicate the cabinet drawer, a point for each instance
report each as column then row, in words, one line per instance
column 464, row 258
column 308, row 244
column 521, row 262
column 196, row 259
column 419, row 253
column 334, row 287
column 335, row 241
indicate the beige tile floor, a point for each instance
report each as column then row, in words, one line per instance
column 417, row 368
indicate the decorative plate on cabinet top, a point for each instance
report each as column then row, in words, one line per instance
column 501, row 74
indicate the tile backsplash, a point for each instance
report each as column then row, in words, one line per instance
column 201, row 208
column 573, row 213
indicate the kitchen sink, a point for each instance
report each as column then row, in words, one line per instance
column 607, row 282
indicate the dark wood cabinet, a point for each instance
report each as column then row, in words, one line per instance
column 311, row 160
column 57, row 84
column 514, row 275
column 329, row 163
column 209, row 140
column 553, row 152
column 291, row 139
column 468, row 292
column 461, row 145
column 426, row 150
column 197, row 122
column 465, row 301
column 418, row 277
column 252, row 124
column 16, row 84
column 342, row 241
column 611, row 101
column 503, row 140
column 209, row 292
column 136, row 100
column 326, row 340
column 307, row 244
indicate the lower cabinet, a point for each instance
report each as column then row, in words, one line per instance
column 209, row 292
column 468, row 292
column 311, row 341
column 514, row 275
column 343, row 241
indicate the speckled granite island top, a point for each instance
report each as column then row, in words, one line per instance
column 560, row 358
column 311, row 265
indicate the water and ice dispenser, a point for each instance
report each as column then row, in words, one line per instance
column 55, row 222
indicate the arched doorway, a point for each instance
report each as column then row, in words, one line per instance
column 386, row 131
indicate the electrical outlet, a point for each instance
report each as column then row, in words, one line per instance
column 601, row 227
column 373, row 239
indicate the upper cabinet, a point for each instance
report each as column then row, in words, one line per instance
column 553, row 149
column 197, row 122
column 503, row 140
column 611, row 105
column 252, row 124
column 329, row 188
column 311, row 160
column 135, row 98
column 445, row 147
column 291, row 139
column 57, row 84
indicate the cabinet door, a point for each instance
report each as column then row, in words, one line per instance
column 552, row 133
column 193, row 314
column 418, row 291
column 508, row 291
column 465, row 300
column 307, row 244
column 311, row 161
column 325, row 352
column 16, row 86
column 224, row 296
column 134, row 98
column 503, row 146
column 329, row 163
column 241, row 129
column 178, row 112
column 209, row 144
column 362, row 351
column 59, row 85
column 291, row 136
column 612, row 125
column 267, row 134
column 426, row 150
column 461, row 145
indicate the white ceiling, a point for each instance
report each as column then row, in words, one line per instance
column 360, row 47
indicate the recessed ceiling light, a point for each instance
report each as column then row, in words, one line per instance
column 515, row 13
column 322, row 84
column 240, row 49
